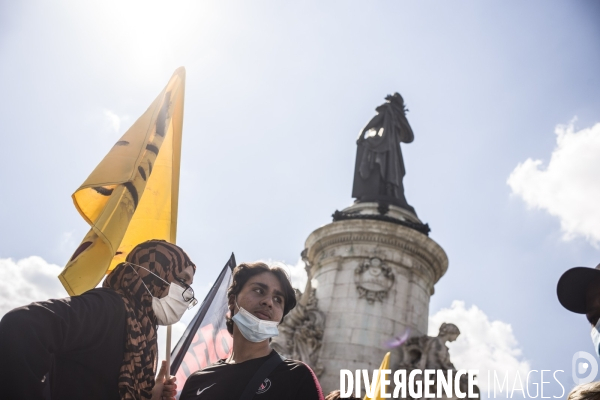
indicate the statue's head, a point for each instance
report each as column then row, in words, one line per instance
column 449, row 331
column 397, row 103
column 395, row 98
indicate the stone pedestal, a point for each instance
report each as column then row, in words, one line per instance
column 375, row 275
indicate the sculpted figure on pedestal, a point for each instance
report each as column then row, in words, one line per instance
column 426, row 352
column 379, row 167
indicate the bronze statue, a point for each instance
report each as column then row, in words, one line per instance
column 379, row 165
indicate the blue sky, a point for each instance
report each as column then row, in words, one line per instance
column 276, row 95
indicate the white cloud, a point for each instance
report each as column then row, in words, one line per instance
column 67, row 244
column 297, row 274
column 483, row 344
column 27, row 280
column 568, row 188
column 115, row 123
column 113, row 120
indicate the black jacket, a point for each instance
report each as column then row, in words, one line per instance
column 77, row 342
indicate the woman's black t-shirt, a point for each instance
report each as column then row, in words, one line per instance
column 290, row 380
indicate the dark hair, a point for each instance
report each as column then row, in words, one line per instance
column 243, row 272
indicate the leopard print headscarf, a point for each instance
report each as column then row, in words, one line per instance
column 136, row 377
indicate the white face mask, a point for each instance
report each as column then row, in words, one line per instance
column 253, row 328
column 170, row 308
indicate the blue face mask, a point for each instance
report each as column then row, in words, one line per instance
column 596, row 337
column 253, row 328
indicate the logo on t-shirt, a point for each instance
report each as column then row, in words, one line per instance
column 264, row 386
column 199, row 392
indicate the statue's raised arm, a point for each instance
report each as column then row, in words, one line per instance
column 379, row 165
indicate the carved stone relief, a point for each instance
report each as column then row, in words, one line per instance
column 427, row 352
column 301, row 332
column 373, row 280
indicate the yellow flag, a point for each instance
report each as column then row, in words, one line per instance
column 132, row 194
column 385, row 364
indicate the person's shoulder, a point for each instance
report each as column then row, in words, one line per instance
column 93, row 305
column 216, row 366
column 202, row 374
column 101, row 291
column 102, row 294
column 306, row 381
column 294, row 363
column 95, row 295
column 100, row 300
column 296, row 367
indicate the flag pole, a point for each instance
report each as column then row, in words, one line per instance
column 168, row 351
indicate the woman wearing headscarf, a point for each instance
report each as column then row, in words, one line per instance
column 101, row 344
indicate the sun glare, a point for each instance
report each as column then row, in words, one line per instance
column 148, row 36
